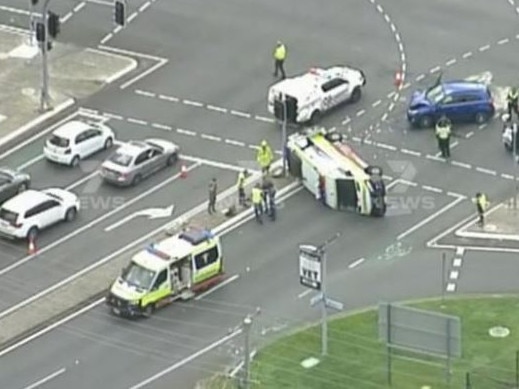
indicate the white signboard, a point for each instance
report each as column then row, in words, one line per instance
column 310, row 266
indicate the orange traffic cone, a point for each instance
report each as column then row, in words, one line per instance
column 398, row 79
column 183, row 171
column 32, row 247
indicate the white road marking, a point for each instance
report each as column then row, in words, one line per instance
column 217, row 109
column 241, row 114
column 461, row 164
column 304, row 293
column 450, row 62
column 82, row 180
column 420, row 77
column 408, row 183
column 131, row 18
column 486, row 171
column 101, row 2
column 356, row 263
column 346, row 120
column 503, row 41
column 484, row 48
column 482, row 126
column 454, row 274
column 112, row 116
column 139, row 77
column 211, row 137
column 469, row 134
column 217, row 287
column 137, row 121
column 216, row 164
column 144, row 6
column 144, row 93
column 264, row 119
column 432, row 189
column 386, row 146
column 467, row 54
column 435, row 69
column 507, row 176
column 429, row 219
column 361, row 112
column 66, row 18
column 79, row 7
column 376, row 103
column 384, row 117
column 186, row 132
column 92, row 223
column 451, row 287
column 459, row 252
column 31, row 162
column 46, row 379
column 162, row 127
column 234, row 142
column 411, row 152
column 434, row 158
column 169, row 98
column 107, row 38
column 192, row 103
column 457, row 261
column 130, row 53
column 18, row 11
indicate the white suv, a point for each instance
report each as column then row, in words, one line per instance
column 31, row 211
column 77, row 140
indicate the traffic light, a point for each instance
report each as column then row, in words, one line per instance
column 120, row 13
column 54, row 24
column 40, row 32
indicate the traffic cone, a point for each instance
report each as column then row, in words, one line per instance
column 32, row 247
column 183, row 171
column 398, row 79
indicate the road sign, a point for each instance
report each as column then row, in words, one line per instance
column 310, row 266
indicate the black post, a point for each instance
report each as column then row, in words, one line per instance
column 468, row 385
column 444, row 260
column 389, row 356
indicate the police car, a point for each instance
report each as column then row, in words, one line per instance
column 305, row 98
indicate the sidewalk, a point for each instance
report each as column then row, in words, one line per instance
column 74, row 73
column 501, row 223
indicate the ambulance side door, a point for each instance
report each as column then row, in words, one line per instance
column 161, row 287
column 335, row 92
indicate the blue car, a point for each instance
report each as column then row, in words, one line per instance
column 460, row 101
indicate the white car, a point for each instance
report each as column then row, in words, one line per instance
column 305, row 98
column 29, row 212
column 77, row 140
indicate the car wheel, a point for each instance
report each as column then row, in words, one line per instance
column 71, row 214
column 172, row 159
column 109, row 142
column 22, row 188
column 32, row 234
column 356, row 95
column 316, row 116
column 425, row 122
column 75, row 161
column 480, row 118
column 136, row 179
column 148, row 310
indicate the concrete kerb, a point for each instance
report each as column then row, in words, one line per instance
column 92, row 282
column 463, row 232
column 114, row 77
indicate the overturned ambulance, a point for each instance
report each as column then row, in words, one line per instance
column 334, row 173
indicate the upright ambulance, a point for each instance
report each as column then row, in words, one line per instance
column 175, row 268
column 334, row 173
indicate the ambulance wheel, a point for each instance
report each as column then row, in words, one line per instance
column 316, row 116
column 356, row 95
column 480, row 118
column 148, row 310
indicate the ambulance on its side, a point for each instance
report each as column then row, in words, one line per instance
column 175, row 268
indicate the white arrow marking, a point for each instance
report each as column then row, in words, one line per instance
column 151, row 213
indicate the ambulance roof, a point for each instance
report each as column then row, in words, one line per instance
column 171, row 249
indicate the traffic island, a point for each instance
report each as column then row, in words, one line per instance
column 501, row 223
column 357, row 359
column 74, row 73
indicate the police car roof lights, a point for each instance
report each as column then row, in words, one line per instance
column 154, row 251
column 196, row 236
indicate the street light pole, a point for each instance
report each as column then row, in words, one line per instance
column 45, row 103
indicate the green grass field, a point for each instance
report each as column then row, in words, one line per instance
column 357, row 360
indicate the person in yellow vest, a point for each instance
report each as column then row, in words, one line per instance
column 443, row 134
column 257, row 202
column 264, row 157
column 482, row 204
column 512, row 99
column 280, row 54
column 240, row 185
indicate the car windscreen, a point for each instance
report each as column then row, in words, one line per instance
column 155, row 146
column 58, row 141
column 436, row 94
column 138, row 276
column 8, row 216
column 121, row 159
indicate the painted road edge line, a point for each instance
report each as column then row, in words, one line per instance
column 46, row 379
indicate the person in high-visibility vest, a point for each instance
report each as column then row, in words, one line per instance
column 482, row 204
column 265, row 157
column 512, row 100
column 280, row 54
column 240, row 185
column 443, row 134
column 257, row 202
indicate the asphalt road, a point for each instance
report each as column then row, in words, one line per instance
column 106, row 346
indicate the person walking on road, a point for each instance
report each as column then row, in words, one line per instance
column 257, row 202
column 240, row 184
column 280, row 54
column 272, row 202
column 512, row 101
column 264, row 157
column 443, row 134
column 266, row 186
column 213, row 190
column 482, row 204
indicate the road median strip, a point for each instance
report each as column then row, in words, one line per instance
column 49, row 305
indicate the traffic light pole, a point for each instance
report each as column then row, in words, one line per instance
column 45, row 103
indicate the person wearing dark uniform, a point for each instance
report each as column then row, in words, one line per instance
column 266, row 185
column 213, row 189
column 443, row 134
column 271, row 199
column 512, row 99
column 280, row 54
column 257, row 202
column 482, row 203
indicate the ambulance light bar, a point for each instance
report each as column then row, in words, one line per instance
column 162, row 255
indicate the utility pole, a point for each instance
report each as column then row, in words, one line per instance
column 312, row 274
column 247, row 323
column 45, row 103
column 284, row 135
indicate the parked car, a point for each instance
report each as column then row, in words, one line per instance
column 77, row 140
column 136, row 160
column 12, row 182
column 460, row 101
column 31, row 211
